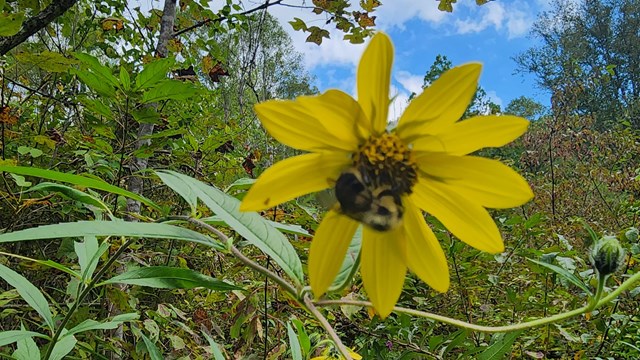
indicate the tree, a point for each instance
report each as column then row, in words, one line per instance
column 589, row 59
column 525, row 107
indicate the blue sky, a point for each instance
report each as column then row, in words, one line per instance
column 492, row 34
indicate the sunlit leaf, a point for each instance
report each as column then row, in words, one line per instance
column 249, row 225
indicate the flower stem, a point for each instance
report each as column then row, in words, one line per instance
column 327, row 327
column 496, row 329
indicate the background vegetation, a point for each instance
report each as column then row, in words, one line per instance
column 110, row 91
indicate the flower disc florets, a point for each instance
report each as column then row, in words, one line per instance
column 390, row 161
column 372, row 189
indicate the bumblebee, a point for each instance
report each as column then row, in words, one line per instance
column 363, row 197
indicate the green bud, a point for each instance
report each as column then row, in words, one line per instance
column 632, row 234
column 607, row 255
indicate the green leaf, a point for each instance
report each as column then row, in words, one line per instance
column 350, row 264
column 89, row 254
column 77, row 180
column 183, row 189
column 317, row 34
column 48, row 263
column 29, row 293
column 71, row 193
column 170, row 89
column 249, row 225
column 110, row 228
column 148, row 115
column 215, row 348
column 294, row 344
column 47, row 60
column 63, row 347
column 153, row 351
column 11, row 336
column 240, row 184
column 27, row 349
column 10, row 24
column 20, row 180
column 125, row 80
column 96, row 106
column 102, row 72
column 95, row 83
column 153, row 73
column 297, row 24
column 303, row 338
column 592, row 234
column 165, row 277
column 501, row 347
column 565, row 274
column 286, row 228
column 90, row 324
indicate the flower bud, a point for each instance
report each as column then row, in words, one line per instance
column 632, row 234
column 607, row 255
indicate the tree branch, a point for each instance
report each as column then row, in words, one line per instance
column 33, row 25
column 222, row 18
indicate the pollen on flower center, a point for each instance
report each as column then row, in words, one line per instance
column 389, row 161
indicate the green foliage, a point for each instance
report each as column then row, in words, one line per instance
column 80, row 282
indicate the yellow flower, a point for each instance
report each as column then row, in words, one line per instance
column 421, row 164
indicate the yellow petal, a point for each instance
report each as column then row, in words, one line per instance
column 293, row 177
column 328, row 249
column 290, row 123
column 340, row 115
column 466, row 219
column 484, row 181
column 382, row 267
column 424, row 254
column 473, row 134
column 374, row 75
column 441, row 104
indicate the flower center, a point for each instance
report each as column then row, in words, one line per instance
column 388, row 161
column 371, row 190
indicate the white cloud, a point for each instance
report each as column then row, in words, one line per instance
column 509, row 16
column 397, row 12
column 334, row 51
column 495, row 98
column 410, row 82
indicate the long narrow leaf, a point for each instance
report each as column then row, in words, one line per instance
column 294, row 344
column 249, row 225
column 63, row 347
column 215, row 348
column 11, row 336
column 77, row 180
column 565, row 274
column 29, row 293
column 110, row 228
column 153, row 351
column 165, row 277
column 26, row 349
column 91, row 324
column 71, row 193
column 48, row 263
column 500, row 348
